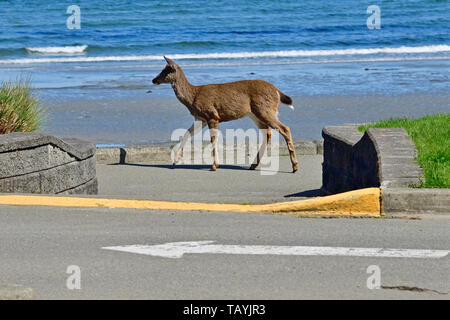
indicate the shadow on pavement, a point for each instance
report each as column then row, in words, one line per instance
column 308, row 194
column 181, row 166
column 190, row 166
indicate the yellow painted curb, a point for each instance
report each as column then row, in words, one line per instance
column 363, row 202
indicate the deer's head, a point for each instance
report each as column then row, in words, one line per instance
column 168, row 74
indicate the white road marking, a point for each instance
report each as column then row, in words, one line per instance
column 178, row 249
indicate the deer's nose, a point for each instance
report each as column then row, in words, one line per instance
column 154, row 81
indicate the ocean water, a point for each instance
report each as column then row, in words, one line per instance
column 306, row 48
column 205, row 29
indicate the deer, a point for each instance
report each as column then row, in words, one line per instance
column 215, row 103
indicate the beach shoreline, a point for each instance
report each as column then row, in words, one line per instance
column 142, row 119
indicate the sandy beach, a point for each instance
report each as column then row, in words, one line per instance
column 145, row 118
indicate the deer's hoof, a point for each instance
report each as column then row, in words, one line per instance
column 253, row 167
column 294, row 168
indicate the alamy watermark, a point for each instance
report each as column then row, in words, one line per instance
column 374, row 280
column 74, row 20
column 374, row 20
column 73, row 282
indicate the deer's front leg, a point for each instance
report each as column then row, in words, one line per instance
column 214, row 133
column 197, row 124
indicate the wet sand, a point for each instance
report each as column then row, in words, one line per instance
column 139, row 118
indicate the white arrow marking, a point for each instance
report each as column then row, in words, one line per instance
column 177, row 249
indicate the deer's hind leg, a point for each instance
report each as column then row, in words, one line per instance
column 269, row 117
column 265, row 142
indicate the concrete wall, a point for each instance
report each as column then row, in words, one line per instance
column 42, row 163
column 415, row 201
column 379, row 157
column 162, row 151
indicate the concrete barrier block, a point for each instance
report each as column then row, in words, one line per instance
column 41, row 163
column 380, row 157
column 21, row 162
column 90, row 187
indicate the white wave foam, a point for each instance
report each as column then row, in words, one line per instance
column 239, row 55
column 312, row 53
column 58, row 50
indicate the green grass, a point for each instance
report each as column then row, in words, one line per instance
column 431, row 135
column 20, row 110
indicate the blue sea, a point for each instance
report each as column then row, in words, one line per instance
column 308, row 49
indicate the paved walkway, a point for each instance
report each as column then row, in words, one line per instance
column 229, row 184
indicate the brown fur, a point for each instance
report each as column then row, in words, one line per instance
column 215, row 103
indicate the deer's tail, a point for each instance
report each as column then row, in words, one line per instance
column 284, row 99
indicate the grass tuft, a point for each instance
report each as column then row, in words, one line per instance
column 20, row 110
column 431, row 135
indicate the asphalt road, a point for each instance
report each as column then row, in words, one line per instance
column 37, row 244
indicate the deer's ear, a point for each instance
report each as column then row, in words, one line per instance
column 170, row 62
